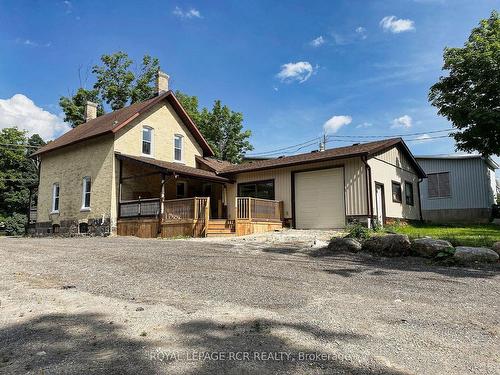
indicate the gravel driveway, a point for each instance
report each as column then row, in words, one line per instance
column 255, row 305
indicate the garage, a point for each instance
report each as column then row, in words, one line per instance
column 319, row 199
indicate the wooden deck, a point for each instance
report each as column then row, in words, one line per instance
column 190, row 217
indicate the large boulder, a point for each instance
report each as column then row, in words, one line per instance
column 466, row 254
column 428, row 247
column 391, row 245
column 496, row 247
column 344, row 244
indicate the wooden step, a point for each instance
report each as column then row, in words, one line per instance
column 221, row 230
column 221, row 234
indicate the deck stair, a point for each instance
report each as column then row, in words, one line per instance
column 221, row 228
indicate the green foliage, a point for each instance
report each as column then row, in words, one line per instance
column 446, row 253
column 114, row 79
column 358, row 231
column 221, row 127
column 74, row 106
column 116, row 84
column 481, row 235
column 470, row 94
column 15, row 224
column 145, row 87
column 17, row 171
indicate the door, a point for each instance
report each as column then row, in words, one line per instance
column 319, row 199
column 380, row 202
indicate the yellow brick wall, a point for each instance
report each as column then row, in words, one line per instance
column 165, row 123
column 67, row 167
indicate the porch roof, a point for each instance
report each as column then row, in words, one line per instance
column 177, row 168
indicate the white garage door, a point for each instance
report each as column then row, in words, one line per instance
column 319, row 199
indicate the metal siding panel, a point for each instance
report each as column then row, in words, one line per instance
column 468, row 180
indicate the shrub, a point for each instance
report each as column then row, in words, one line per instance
column 358, row 231
column 15, row 224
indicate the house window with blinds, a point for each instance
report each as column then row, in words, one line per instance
column 438, row 185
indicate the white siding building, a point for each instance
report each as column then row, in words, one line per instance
column 457, row 188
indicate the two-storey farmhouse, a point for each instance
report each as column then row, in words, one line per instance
column 147, row 170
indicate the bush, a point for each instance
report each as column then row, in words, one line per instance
column 358, row 231
column 15, row 224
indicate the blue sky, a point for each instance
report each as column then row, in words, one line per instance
column 361, row 67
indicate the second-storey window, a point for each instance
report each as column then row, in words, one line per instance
column 55, row 198
column 86, row 193
column 147, row 140
column 178, row 147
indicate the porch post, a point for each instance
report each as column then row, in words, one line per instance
column 162, row 194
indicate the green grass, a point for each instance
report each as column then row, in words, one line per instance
column 482, row 235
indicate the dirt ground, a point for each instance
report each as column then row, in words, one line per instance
column 264, row 304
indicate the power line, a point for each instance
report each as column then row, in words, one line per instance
column 18, row 145
column 310, row 142
column 285, row 148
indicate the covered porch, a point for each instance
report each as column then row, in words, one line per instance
column 165, row 199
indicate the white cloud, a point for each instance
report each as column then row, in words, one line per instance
column 188, row 14
column 361, row 31
column 300, row 71
column 68, row 6
column 335, row 123
column 402, row 122
column 395, row 25
column 317, row 41
column 364, row 125
column 32, row 43
column 22, row 112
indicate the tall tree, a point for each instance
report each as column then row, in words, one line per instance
column 17, row 173
column 74, row 106
column 470, row 95
column 115, row 83
column 221, row 127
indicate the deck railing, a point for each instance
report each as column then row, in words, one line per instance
column 185, row 208
column 140, row 208
column 257, row 209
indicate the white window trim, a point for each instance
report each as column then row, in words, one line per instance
column 84, row 180
column 152, row 140
column 182, row 149
column 54, row 211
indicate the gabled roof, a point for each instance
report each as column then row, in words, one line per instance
column 368, row 150
column 214, row 164
column 177, row 168
column 112, row 122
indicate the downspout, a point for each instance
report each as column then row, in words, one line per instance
column 369, row 197
column 419, row 199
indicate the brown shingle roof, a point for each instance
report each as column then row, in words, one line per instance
column 173, row 167
column 214, row 164
column 363, row 149
column 114, row 121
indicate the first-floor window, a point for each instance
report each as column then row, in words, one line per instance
column 259, row 189
column 55, row 198
column 438, row 185
column 396, row 192
column 86, row 192
column 409, row 193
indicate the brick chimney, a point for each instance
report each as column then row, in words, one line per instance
column 90, row 111
column 162, row 82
